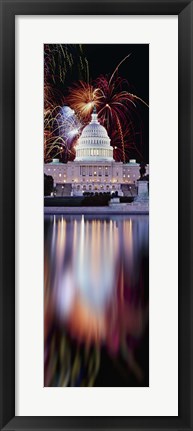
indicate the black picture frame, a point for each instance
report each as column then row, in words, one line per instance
column 9, row 9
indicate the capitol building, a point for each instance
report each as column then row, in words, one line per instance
column 94, row 168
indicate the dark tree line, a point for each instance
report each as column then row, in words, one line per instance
column 48, row 185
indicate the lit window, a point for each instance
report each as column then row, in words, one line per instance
column 60, row 175
column 128, row 176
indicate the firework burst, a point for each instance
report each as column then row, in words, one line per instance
column 118, row 111
column 82, row 98
column 61, row 131
column 116, row 107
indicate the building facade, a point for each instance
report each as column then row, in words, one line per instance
column 94, row 168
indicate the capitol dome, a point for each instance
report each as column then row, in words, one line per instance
column 94, row 142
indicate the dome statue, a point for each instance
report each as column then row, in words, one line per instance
column 94, row 142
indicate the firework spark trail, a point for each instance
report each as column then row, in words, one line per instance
column 61, row 130
column 122, row 138
column 82, row 98
column 60, row 60
column 116, row 70
column 117, row 67
column 118, row 103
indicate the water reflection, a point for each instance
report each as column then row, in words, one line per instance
column 96, row 301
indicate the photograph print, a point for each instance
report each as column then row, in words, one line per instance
column 96, row 215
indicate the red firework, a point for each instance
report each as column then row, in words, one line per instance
column 118, row 110
column 116, row 106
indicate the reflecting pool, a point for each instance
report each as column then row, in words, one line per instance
column 96, row 298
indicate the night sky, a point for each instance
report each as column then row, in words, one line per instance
column 102, row 60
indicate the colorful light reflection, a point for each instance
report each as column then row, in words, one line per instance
column 96, row 297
